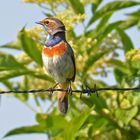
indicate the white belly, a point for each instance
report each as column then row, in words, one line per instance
column 59, row 67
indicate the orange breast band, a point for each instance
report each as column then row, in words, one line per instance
column 58, row 49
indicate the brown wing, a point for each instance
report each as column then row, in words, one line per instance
column 71, row 53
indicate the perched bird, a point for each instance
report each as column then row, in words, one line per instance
column 58, row 58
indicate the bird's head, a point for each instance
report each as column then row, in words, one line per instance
column 52, row 25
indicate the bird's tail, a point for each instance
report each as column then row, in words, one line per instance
column 63, row 98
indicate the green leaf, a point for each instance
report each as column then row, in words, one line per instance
column 99, row 102
column 4, row 75
column 8, row 62
column 27, row 130
column 135, row 64
column 47, row 14
column 100, row 27
column 111, row 7
column 71, row 129
column 126, row 115
column 42, row 118
column 127, row 43
column 99, row 122
column 120, row 66
column 8, row 84
column 108, row 29
column 77, row 6
column 95, row 5
column 92, row 59
column 135, row 98
column 12, row 45
column 103, row 22
column 41, row 76
column 100, row 34
column 135, row 14
column 50, row 121
column 30, row 47
column 53, row 123
column 128, row 23
column 118, row 75
column 25, row 83
column 22, row 97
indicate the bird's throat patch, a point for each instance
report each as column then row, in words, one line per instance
column 58, row 49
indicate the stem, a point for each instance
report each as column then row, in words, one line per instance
column 51, row 106
column 38, row 104
column 30, row 107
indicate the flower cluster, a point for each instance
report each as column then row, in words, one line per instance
column 34, row 32
column 70, row 18
column 133, row 57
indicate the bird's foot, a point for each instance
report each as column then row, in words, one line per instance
column 52, row 89
column 69, row 90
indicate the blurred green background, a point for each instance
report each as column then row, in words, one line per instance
column 104, row 36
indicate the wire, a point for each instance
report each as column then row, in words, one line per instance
column 86, row 90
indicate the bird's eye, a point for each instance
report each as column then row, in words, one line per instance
column 47, row 22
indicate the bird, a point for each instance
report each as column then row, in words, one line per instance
column 58, row 59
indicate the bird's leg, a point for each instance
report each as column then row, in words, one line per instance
column 55, row 85
column 52, row 89
column 69, row 90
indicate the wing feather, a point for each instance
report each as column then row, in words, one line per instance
column 71, row 53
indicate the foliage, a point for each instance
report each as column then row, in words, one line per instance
column 98, row 49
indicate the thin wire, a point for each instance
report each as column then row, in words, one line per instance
column 83, row 91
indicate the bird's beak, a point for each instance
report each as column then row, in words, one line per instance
column 40, row 22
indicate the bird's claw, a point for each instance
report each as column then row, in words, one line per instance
column 52, row 89
column 69, row 90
